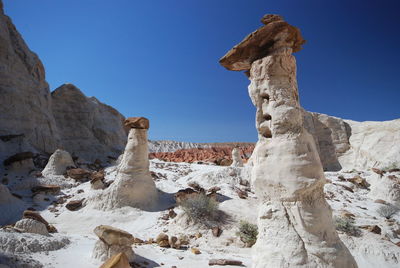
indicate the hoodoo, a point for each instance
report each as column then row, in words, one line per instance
column 133, row 185
column 295, row 222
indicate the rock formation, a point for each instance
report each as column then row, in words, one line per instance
column 58, row 163
column 295, row 222
column 31, row 226
column 112, row 241
column 346, row 144
column 25, row 100
column 236, row 158
column 42, row 121
column 11, row 208
column 212, row 154
column 88, row 128
column 133, row 185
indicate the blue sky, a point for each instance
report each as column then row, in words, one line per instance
column 159, row 58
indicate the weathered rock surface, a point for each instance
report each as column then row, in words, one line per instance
column 31, row 226
column 133, row 185
column 11, row 208
column 213, row 154
column 236, row 158
column 25, row 102
column 262, row 42
column 295, row 222
column 112, row 241
column 349, row 144
column 58, row 163
column 117, row 261
column 88, row 128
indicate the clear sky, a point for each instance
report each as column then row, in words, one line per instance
column 159, row 58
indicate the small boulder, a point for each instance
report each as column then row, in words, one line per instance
column 31, row 226
column 195, row 251
column 378, row 171
column 162, row 240
column 113, row 236
column 79, row 174
column 74, row 204
column 216, row 231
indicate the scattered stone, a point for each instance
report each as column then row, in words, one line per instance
column 119, row 260
column 30, row 214
column 46, row 189
column 31, row 226
column 223, row 262
column 341, row 178
column 214, row 189
column 378, row 171
column 198, row 235
column 374, row 229
column 162, row 240
column 138, row 241
column 195, row 251
column 394, row 170
column 380, row 201
column 80, row 191
column 224, row 162
column 171, row 213
column 347, row 214
column 74, row 204
column 196, row 187
column 359, row 181
column 79, row 174
column 184, row 194
column 242, row 194
column 216, row 231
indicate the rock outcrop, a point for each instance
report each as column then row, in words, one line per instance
column 346, row 144
column 43, row 122
column 25, row 101
column 11, row 208
column 87, row 128
column 133, row 185
column 295, row 222
column 58, row 163
column 112, row 241
column 213, row 154
column 236, row 158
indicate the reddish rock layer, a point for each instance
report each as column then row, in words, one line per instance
column 212, row 155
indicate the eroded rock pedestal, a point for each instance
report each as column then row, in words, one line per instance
column 295, row 222
column 133, row 185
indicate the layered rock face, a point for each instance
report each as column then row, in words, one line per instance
column 32, row 119
column 88, row 128
column 212, row 154
column 25, row 102
column 295, row 222
column 133, row 185
column 346, row 144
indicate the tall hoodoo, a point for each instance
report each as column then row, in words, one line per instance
column 133, row 185
column 295, row 222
